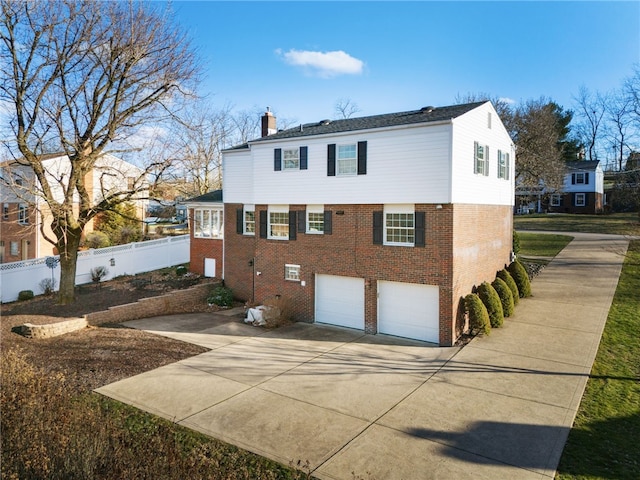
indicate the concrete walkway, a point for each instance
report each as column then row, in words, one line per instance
column 501, row 407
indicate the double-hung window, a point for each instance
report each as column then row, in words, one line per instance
column 399, row 225
column 580, row 178
column 23, row 214
column 503, row 165
column 207, row 223
column 315, row 219
column 291, row 158
column 278, row 222
column 249, row 220
column 481, row 159
column 555, row 200
column 580, row 200
column 347, row 160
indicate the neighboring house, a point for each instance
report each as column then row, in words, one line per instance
column 583, row 190
column 206, row 221
column 25, row 213
column 380, row 223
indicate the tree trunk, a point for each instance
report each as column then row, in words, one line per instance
column 68, row 248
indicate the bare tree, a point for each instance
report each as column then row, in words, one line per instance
column 590, row 108
column 201, row 133
column 80, row 77
column 539, row 156
column 346, row 108
column 618, row 122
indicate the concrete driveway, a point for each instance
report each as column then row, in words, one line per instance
column 501, row 407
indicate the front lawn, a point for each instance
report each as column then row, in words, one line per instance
column 617, row 223
column 603, row 443
column 542, row 244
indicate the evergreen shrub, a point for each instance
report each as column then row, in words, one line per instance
column 506, row 296
column 25, row 295
column 511, row 283
column 516, row 243
column 491, row 300
column 221, row 296
column 520, row 276
column 478, row 315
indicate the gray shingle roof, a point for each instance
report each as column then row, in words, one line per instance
column 583, row 165
column 324, row 127
column 213, row 197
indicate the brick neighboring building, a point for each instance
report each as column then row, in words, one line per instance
column 380, row 223
column 583, row 190
column 25, row 214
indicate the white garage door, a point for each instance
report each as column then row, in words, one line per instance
column 409, row 310
column 340, row 301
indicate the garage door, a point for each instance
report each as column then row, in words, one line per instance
column 409, row 310
column 340, row 301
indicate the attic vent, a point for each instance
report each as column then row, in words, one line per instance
column 326, row 121
column 428, row 109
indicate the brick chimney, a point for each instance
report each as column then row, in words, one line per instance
column 268, row 123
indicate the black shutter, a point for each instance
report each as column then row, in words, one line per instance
column 586, row 199
column 331, row 160
column 378, row 230
column 277, row 159
column 263, row 224
column 362, row 158
column 302, row 221
column 303, row 158
column 239, row 221
column 328, row 222
column 419, row 229
column 573, row 179
column 586, row 178
column 562, row 200
column 292, row 224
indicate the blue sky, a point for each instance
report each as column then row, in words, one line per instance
column 301, row 57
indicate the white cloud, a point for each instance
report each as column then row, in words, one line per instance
column 323, row 64
column 507, row 100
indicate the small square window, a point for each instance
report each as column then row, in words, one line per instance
column 292, row 272
column 291, row 157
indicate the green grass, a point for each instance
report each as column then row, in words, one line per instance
column 617, row 223
column 542, row 244
column 603, row 443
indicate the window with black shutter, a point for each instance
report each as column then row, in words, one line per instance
column 328, row 226
column 303, row 158
column 362, row 158
column 331, row 160
column 240, row 221
column 263, row 224
column 302, row 221
column 292, row 224
column 277, row 159
column 420, row 234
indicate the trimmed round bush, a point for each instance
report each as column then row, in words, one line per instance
column 181, row 270
column 506, row 296
column 25, row 295
column 478, row 315
column 491, row 300
column 520, row 276
column 516, row 243
column 511, row 283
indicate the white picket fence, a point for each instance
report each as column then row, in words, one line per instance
column 127, row 259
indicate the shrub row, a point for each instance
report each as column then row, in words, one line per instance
column 490, row 303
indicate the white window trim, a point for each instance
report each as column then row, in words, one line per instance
column 284, row 161
column 23, row 214
column 354, row 159
column 503, row 165
column 277, row 209
column 584, row 200
column 314, row 209
column 14, row 248
column 292, row 272
column 484, row 168
column 216, row 223
column 580, row 180
column 555, row 200
column 246, row 209
column 5, row 211
column 401, row 209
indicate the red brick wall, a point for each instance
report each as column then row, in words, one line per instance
column 12, row 231
column 594, row 204
column 483, row 246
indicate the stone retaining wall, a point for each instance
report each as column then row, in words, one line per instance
column 189, row 300
column 52, row 329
